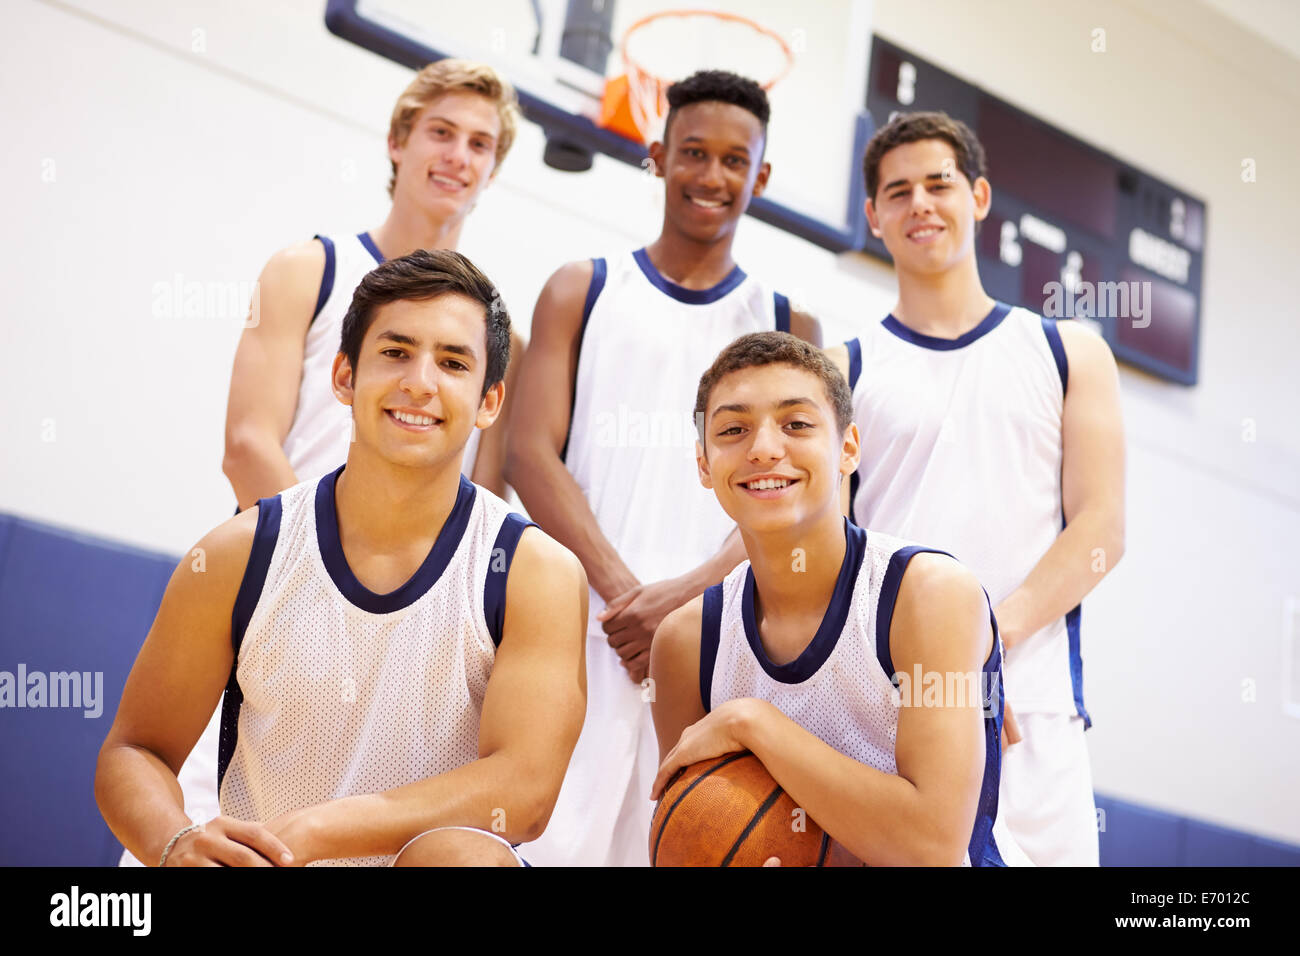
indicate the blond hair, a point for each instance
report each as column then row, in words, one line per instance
column 454, row 76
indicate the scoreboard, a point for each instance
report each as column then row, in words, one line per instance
column 1073, row 232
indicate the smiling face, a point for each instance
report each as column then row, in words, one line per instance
column 712, row 165
column 925, row 209
column 449, row 157
column 415, row 394
column 773, row 452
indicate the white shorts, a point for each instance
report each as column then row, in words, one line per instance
column 1046, row 799
column 500, row 839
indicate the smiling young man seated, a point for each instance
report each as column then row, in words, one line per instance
column 794, row 655
column 402, row 656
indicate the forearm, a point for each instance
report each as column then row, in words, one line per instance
column 557, row 504
column 257, row 468
column 140, row 799
column 492, row 793
column 1081, row 555
column 881, row 818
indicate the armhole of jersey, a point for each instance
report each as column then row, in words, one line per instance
column 596, row 286
column 898, row 563
column 250, row 593
column 327, row 277
column 259, row 562
column 494, row 590
column 782, row 305
column 1058, row 351
column 710, row 634
column 854, row 347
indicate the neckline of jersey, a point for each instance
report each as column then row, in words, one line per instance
column 425, row 577
column 681, row 293
column 828, row 633
column 365, row 240
column 986, row 325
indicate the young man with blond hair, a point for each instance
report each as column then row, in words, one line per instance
column 448, row 134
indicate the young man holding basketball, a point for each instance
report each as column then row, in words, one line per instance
column 449, row 132
column 402, row 657
column 794, row 656
column 995, row 434
column 601, row 450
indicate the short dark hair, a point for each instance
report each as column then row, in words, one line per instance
column 770, row 348
column 427, row 274
column 720, row 86
column 913, row 127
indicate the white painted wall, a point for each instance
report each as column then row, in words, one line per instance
column 153, row 139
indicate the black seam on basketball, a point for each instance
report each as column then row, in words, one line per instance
column 825, row 849
column 753, row 822
column 654, row 860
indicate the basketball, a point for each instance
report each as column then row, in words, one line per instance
column 728, row 811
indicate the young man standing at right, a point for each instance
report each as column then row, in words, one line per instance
column 996, row 435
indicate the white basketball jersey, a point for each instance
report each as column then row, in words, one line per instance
column 841, row 687
column 644, row 344
column 631, row 447
column 321, row 432
column 961, row 448
column 338, row 691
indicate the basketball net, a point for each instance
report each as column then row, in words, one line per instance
column 665, row 47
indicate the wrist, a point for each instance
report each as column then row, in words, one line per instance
column 745, row 717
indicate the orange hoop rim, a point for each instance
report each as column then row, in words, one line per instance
column 630, row 64
column 648, row 92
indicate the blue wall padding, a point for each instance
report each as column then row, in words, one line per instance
column 72, row 602
column 67, row 603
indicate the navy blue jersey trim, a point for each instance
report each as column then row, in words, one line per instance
column 987, row 325
column 983, row 848
column 371, row 247
column 898, row 563
column 599, row 270
column 854, row 347
column 1072, row 618
column 828, row 634
column 681, row 293
column 331, row 551
column 265, row 536
column 494, row 589
column 327, row 277
column 710, row 635
column 1058, row 351
column 782, row 305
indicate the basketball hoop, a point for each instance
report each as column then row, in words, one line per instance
column 636, row 104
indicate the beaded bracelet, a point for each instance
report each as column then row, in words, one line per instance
column 172, row 842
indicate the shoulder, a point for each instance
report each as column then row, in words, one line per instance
column 805, row 326
column 680, row 629
column 302, row 262
column 941, row 608
column 540, row 563
column 1086, row 351
column 563, row 298
column 213, row 570
column 676, row 645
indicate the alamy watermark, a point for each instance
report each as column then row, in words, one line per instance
column 60, row 689
column 183, row 298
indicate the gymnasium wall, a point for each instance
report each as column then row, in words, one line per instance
column 156, row 153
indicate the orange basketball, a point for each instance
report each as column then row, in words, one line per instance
column 728, row 811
